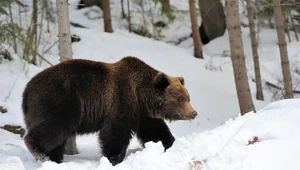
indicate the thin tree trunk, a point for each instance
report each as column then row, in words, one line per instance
column 20, row 16
column 71, row 146
column 237, row 56
column 279, row 21
column 195, row 32
column 293, row 25
column 65, row 52
column 106, row 16
column 34, row 31
column 41, row 27
column 122, row 8
column 65, row 48
column 254, row 44
column 15, row 47
column 128, row 16
column 257, row 26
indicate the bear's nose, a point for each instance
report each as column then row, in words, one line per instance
column 194, row 114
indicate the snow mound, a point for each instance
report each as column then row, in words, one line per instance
column 229, row 146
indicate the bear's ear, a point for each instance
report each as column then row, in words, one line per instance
column 161, row 81
column 181, row 79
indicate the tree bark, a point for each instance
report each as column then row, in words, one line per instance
column 195, row 32
column 106, row 16
column 287, row 28
column 293, row 25
column 15, row 47
column 71, row 146
column 34, row 31
column 65, row 53
column 279, row 21
column 237, row 56
column 128, row 16
column 259, row 91
column 64, row 33
column 122, row 8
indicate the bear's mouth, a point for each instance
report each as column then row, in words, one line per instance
column 184, row 117
column 179, row 117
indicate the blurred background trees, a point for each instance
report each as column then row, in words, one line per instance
column 24, row 24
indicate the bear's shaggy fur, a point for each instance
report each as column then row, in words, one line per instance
column 114, row 100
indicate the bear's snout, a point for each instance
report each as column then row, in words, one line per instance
column 194, row 114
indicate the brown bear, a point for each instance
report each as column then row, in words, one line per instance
column 115, row 100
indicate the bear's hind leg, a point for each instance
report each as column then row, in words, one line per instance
column 155, row 130
column 114, row 142
column 35, row 149
column 44, row 144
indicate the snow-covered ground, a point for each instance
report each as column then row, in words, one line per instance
column 218, row 136
column 225, row 147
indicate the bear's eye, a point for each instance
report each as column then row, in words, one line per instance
column 180, row 99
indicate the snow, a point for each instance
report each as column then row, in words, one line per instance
column 223, row 147
column 218, row 137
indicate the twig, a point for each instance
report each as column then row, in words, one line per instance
column 11, row 89
column 77, row 4
column 77, row 25
column 39, row 55
column 279, row 88
column 50, row 47
column 21, row 4
column 44, row 59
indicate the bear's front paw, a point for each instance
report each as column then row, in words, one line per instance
column 169, row 143
column 114, row 160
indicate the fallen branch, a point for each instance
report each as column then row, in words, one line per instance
column 77, row 25
column 41, row 57
column 44, row 59
column 14, row 129
column 279, row 88
column 21, row 4
column 50, row 47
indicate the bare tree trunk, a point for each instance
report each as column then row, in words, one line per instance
column 64, row 32
column 106, row 16
column 195, row 32
column 259, row 91
column 15, row 47
column 128, row 16
column 287, row 28
column 122, row 8
column 237, row 56
column 279, row 21
column 65, row 52
column 293, row 25
column 34, row 31
column 71, row 146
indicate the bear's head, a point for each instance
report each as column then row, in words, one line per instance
column 173, row 99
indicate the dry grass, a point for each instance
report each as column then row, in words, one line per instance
column 253, row 141
column 197, row 165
